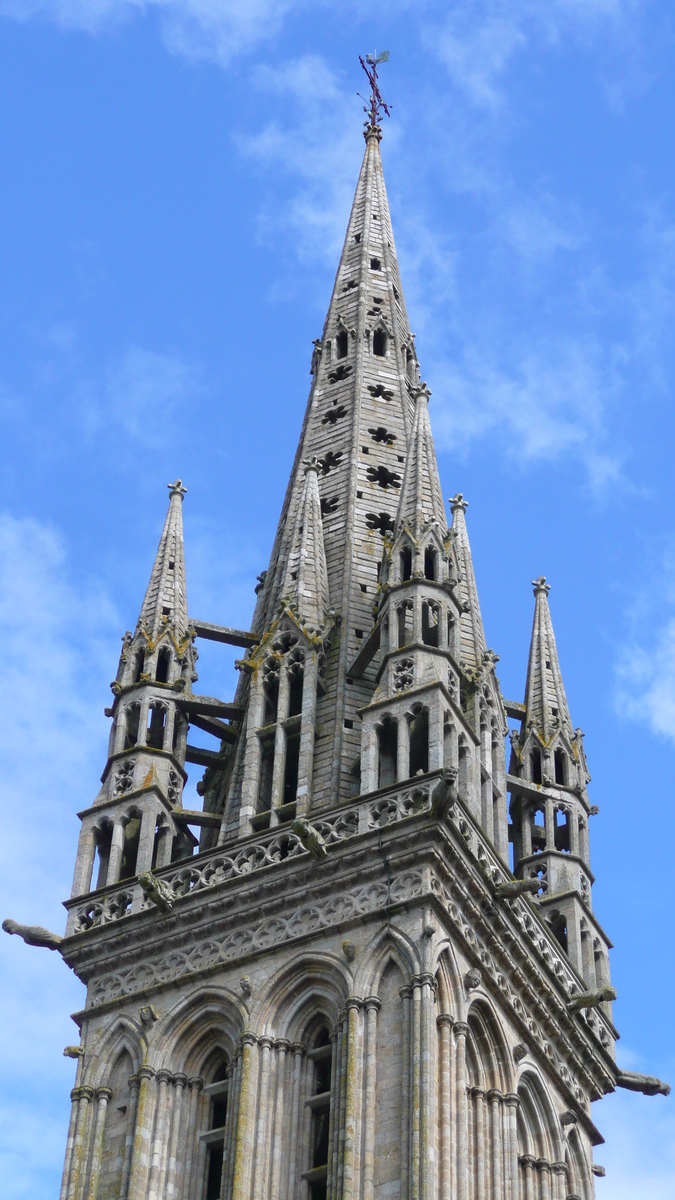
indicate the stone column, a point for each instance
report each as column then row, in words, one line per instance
column 116, row 852
column 159, row 1139
column 307, row 734
column 84, row 863
column 251, row 781
column 406, row 1069
column 142, row 739
column 544, row 1172
column 403, row 749
column 427, row 1086
column 478, row 1096
column 350, row 1189
column 512, row 1103
column 298, row 1052
column 261, row 1143
column 527, row 1163
column 102, row 1097
column 559, row 1180
column 494, row 1099
column 83, row 1095
column 74, row 1105
column 573, row 826
column 334, row 1125
column 120, row 731
column 243, row 1154
column 140, row 1158
column 550, row 824
column 194, row 1086
column 372, row 1005
column 129, row 1135
column 167, row 744
column 415, row 1107
column 342, row 1105
column 369, row 760
column 583, row 841
column 461, row 1030
column 417, row 616
column 526, row 829
column 444, row 1024
column 146, row 841
column 282, row 1047
column 164, row 847
column 170, row 1188
column 436, row 733
column 279, row 767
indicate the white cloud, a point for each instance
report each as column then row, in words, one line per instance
column 216, row 30
column 646, row 682
column 639, row 1150
column 146, row 393
column 478, row 40
column 59, row 650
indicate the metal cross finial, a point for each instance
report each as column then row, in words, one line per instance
column 375, row 105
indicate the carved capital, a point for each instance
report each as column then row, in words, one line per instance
column 527, row 1161
column 559, row 1168
column 180, row 1079
column 460, row 1029
column 445, row 1020
column 265, row 1042
column 84, row 1092
column 425, row 980
column 164, row 1076
column 372, row 1002
column 196, row 1083
column 405, row 992
column 248, row 1038
column 146, row 1072
column 298, row 1048
column 103, row 1093
column 354, row 1002
column 494, row 1096
column 511, row 1100
column 133, row 1082
column 478, row 1093
column 282, row 1044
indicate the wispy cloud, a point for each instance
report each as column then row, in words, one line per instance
column 214, row 30
column 146, row 393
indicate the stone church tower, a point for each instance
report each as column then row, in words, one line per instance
column 330, row 984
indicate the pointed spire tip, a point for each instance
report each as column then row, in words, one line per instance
column 541, row 587
column 458, row 503
column 176, row 488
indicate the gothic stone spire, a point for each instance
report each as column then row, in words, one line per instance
column 421, row 502
column 472, row 636
column 545, row 699
column 165, row 600
column 305, row 585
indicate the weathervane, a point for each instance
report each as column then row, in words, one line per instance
column 375, row 106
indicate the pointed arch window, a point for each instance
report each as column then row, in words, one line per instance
column 430, row 563
column 163, row 665
column 132, row 715
column 132, row 837
column 379, row 343
column 560, row 766
column 562, row 829
column 342, row 344
column 139, row 665
column 103, row 843
column 419, row 743
column 430, row 623
column 319, row 1103
column 406, row 563
column 387, row 741
column 156, row 724
column 535, row 766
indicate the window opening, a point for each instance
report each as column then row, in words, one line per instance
column 379, row 343
column 406, row 563
column 139, row 666
column 562, row 830
column 271, row 691
column 535, row 766
column 342, row 344
column 357, row 237
column 404, row 615
column 328, row 506
column 334, row 414
column 430, row 617
column 381, row 521
column 291, row 769
column 133, row 716
column 419, row 743
column 383, row 477
column 156, row 722
column 558, row 926
column 429, row 563
column 379, row 392
column 218, row 1091
column 559, row 760
column 266, row 771
column 380, row 434
column 132, row 836
column 166, row 612
column 163, row 663
column 375, row 264
column 387, row 737
column 295, row 690
column 103, row 838
column 321, row 1055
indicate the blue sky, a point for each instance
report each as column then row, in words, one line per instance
column 176, row 180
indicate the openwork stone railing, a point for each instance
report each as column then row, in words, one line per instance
column 243, row 859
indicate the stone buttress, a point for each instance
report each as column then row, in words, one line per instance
column 328, row 983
